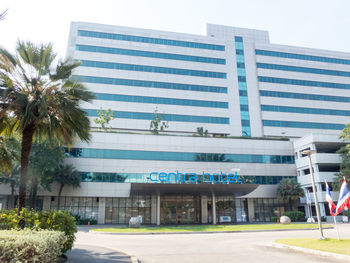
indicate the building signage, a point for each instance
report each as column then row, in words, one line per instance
column 177, row 177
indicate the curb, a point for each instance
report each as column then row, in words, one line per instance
column 312, row 251
column 199, row 233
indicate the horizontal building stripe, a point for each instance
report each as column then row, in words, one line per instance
column 277, row 108
column 150, row 40
column 153, row 69
column 305, row 125
column 151, row 54
column 302, row 57
column 303, row 96
column 159, row 100
column 300, row 82
column 150, row 84
column 178, row 156
column 303, row 69
column 167, row 117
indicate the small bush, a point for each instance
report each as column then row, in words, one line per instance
column 84, row 221
column 51, row 220
column 295, row 216
column 26, row 246
column 274, row 219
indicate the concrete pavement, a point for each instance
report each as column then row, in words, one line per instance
column 221, row 247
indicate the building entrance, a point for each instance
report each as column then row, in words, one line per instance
column 180, row 210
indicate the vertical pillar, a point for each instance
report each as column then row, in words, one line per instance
column 154, row 209
column 214, row 208
column 101, row 210
column 158, row 209
column 46, row 203
column 251, row 212
column 322, row 210
column 204, row 209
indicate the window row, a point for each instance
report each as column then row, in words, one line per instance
column 85, row 207
column 150, row 40
column 167, row 117
column 303, row 96
column 178, row 156
column 158, row 100
column 300, row 82
column 150, row 84
column 302, row 57
column 297, row 124
column 303, row 69
column 153, row 69
column 140, row 53
column 304, row 110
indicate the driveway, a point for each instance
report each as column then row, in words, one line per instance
column 221, row 247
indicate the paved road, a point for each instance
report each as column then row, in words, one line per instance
column 222, row 247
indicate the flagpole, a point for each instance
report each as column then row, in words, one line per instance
column 336, row 227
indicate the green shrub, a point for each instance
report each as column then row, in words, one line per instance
column 26, row 246
column 84, row 221
column 275, row 219
column 295, row 216
column 51, row 220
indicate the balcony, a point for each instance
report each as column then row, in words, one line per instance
column 317, row 158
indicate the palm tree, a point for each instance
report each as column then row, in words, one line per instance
column 8, row 154
column 289, row 190
column 42, row 99
column 66, row 175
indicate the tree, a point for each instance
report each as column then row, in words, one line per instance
column 201, row 132
column 157, row 124
column 289, row 190
column 43, row 100
column 65, row 174
column 104, row 117
column 8, row 153
column 344, row 170
column 11, row 178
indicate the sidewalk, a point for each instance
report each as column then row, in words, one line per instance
column 92, row 254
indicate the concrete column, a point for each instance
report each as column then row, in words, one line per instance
column 251, row 212
column 214, row 208
column 322, row 210
column 154, row 209
column 158, row 209
column 101, row 210
column 46, row 202
column 204, row 209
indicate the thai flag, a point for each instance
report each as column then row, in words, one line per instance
column 344, row 198
column 329, row 199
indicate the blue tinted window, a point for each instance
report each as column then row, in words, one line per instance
column 168, row 117
column 304, row 69
column 178, row 156
column 150, row 84
column 238, row 39
column 140, row 53
column 291, row 95
column 176, row 71
column 304, row 82
column 302, row 57
column 305, row 110
column 309, row 125
column 158, row 100
column 239, row 52
column 150, row 40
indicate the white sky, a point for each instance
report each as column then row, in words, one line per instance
column 323, row 24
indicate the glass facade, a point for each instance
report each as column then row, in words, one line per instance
column 303, row 69
column 85, row 207
column 305, row 110
column 300, row 82
column 119, row 210
column 150, row 84
column 266, row 208
column 140, row 53
column 159, row 100
column 150, row 40
column 167, row 117
column 235, row 208
column 242, row 86
column 301, row 57
column 178, row 156
column 302, row 96
column 298, row 124
column 153, row 69
column 180, row 209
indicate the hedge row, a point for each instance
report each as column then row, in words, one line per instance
column 26, row 246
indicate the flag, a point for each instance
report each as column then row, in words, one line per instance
column 329, row 199
column 344, row 198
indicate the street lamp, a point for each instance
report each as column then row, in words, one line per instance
column 308, row 153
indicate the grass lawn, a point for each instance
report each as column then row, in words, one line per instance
column 330, row 245
column 207, row 228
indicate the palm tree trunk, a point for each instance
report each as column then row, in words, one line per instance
column 59, row 196
column 12, row 202
column 33, row 192
column 27, row 140
column 290, row 204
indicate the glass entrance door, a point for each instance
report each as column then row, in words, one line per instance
column 179, row 210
